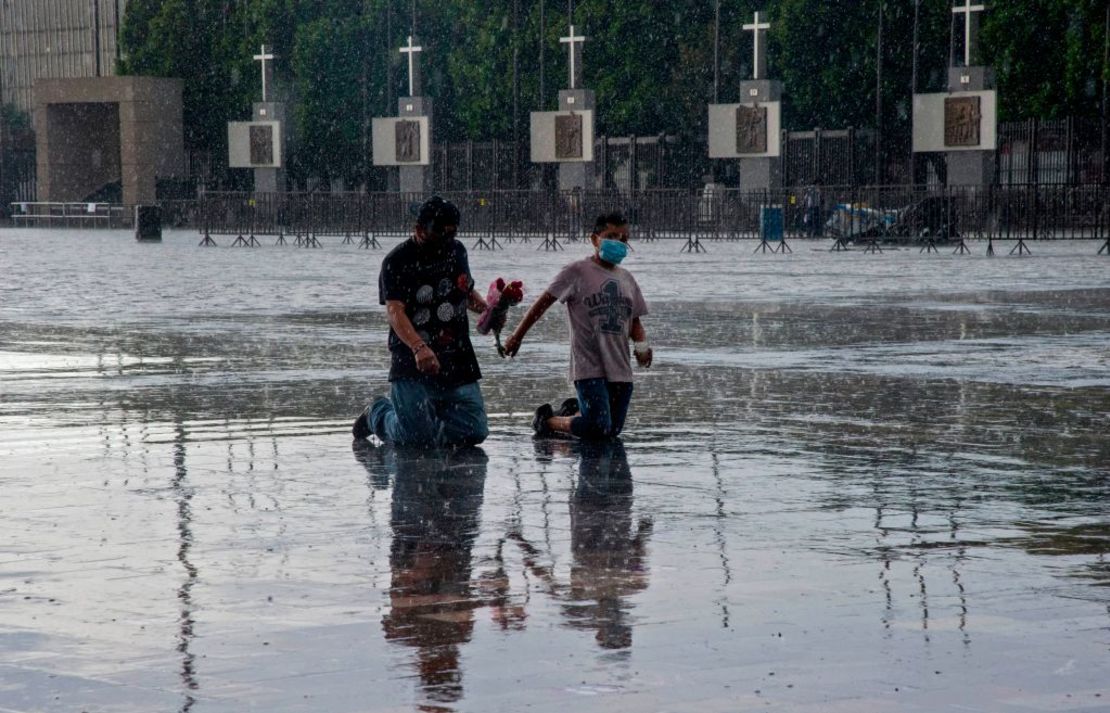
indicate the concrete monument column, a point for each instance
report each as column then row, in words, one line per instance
column 415, row 177
column 574, row 173
column 962, row 123
column 754, row 134
column 404, row 140
column 758, row 172
column 259, row 144
column 266, row 179
column 970, row 168
column 269, row 179
column 566, row 136
column 751, row 130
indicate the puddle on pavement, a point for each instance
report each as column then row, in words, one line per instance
column 851, row 483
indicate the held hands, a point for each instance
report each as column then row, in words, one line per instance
column 644, row 355
column 512, row 345
column 426, row 361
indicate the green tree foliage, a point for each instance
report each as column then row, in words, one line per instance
column 196, row 40
column 650, row 62
column 329, row 61
column 1048, row 55
column 657, row 56
column 479, row 105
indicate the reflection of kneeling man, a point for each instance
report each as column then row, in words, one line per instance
column 435, row 518
column 426, row 286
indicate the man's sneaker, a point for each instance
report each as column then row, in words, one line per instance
column 361, row 429
column 569, row 408
column 539, row 421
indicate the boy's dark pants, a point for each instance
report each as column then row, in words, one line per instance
column 603, row 406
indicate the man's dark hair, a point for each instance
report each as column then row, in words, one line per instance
column 436, row 213
column 615, row 219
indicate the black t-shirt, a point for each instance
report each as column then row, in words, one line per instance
column 434, row 284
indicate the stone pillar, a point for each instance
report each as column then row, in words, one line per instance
column 761, row 173
column 419, row 178
column 91, row 132
column 577, row 174
column 971, row 168
column 271, row 180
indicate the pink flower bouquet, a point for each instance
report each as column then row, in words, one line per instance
column 501, row 296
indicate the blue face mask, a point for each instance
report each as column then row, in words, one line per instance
column 612, row 251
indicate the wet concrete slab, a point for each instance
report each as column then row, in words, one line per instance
column 850, row 483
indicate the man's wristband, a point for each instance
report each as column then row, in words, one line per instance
column 641, row 348
column 418, row 347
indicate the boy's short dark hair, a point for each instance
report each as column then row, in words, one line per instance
column 615, row 219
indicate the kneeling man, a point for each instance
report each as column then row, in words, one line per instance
column 426, row 287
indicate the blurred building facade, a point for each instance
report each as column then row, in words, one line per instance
column 46, row 39
column 55, row 39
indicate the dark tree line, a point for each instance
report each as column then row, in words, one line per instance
column 651, row 62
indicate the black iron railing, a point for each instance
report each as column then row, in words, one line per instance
column 905, row 213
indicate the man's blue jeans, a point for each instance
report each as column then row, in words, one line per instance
column 421, row 414
column 602, row 406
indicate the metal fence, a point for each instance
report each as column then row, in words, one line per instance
column 633, row 163
column 826, row 157
column 1036, row 152
column 479, row 165
column 620, row 163
column 897, row 213
column 1047, row 152
column 71, row 215
column 1055, row 151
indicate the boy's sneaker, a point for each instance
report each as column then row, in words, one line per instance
column 361, row 428
column 569, row 408
column 539, row 421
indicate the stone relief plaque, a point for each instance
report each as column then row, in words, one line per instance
column 408, row 141
column 962, row 119
column 751, row 129
column 262, row 145
column 568, row 136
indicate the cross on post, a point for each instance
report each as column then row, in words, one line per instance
column 575, row 66
column 414, row 76
column 266, row 54
column 759, row 50
column 966, row 10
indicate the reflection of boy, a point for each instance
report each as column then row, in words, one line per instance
column 610, row 548
column 604, row 306
column 610, row 562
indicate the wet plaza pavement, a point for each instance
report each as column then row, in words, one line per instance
column 850, row 483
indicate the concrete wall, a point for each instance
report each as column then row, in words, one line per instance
column 148, row 130
column 85, row 154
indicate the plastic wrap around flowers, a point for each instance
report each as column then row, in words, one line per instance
column 501, row 296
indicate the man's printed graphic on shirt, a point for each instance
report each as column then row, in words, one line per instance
column 434, row 287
